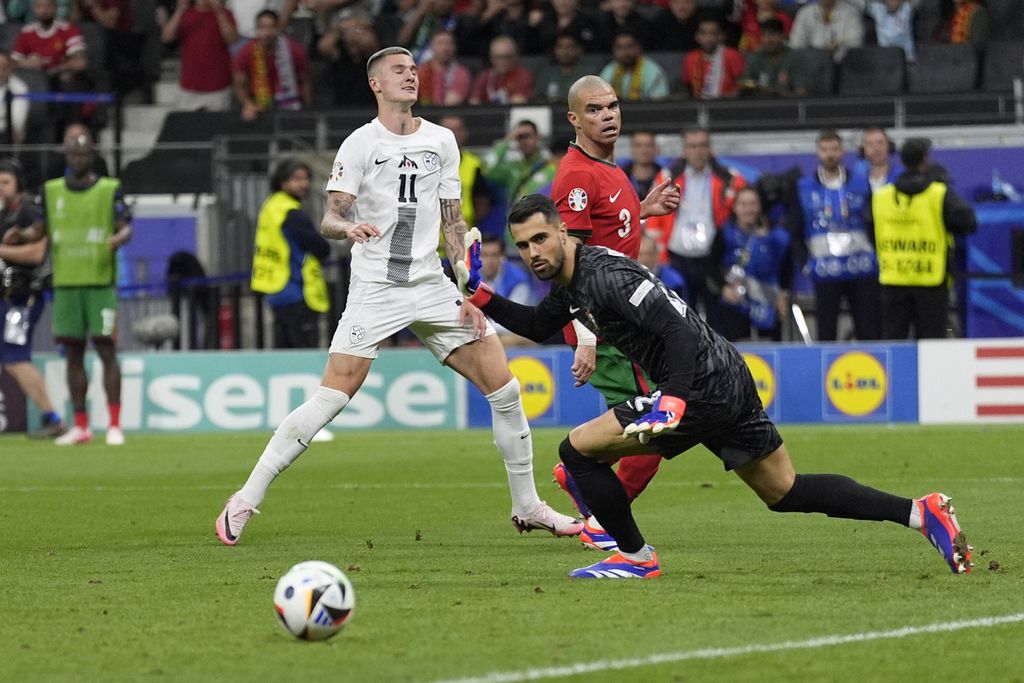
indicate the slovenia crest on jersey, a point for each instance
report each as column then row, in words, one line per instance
column 577, row 199
column 431, row 161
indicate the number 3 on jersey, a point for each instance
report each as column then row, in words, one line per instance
column 407, row 182
column 625, row 216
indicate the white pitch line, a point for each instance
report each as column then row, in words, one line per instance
column 724, row 652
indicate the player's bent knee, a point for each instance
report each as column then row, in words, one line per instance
column 573, row 458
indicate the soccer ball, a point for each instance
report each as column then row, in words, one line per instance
column 313, row 600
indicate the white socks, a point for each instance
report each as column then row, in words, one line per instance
column 512, row 437
column 645, row 554
column 291, row 439
column 915, row 517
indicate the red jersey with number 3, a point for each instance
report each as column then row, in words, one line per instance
column 597, row 202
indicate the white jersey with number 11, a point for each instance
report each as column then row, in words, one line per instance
column 398, row 182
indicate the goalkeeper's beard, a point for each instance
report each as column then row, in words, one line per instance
column 551, row 270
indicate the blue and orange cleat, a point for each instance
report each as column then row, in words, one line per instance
column 619, row 567
column 568, row 484
column 593, row 536
column 940, row 526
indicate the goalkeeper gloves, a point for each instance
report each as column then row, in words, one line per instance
column 467, row 271
column 663, row 417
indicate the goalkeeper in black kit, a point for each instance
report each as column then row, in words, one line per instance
column 705, row 395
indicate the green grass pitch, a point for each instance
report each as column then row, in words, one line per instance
column 110, row 570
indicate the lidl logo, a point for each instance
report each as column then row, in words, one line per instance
column 856, row 383
column 764, row 378
column 536, row 383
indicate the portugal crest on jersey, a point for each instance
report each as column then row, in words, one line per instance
column 577, row 199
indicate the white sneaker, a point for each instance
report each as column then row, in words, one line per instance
column 233, row 519
column 323, row 436
column 74, row 437
column 115, row 437
column 547, row 519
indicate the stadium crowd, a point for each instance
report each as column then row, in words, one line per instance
column 736, row 254
column 255, row 55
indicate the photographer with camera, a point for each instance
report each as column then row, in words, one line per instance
column 24, row 277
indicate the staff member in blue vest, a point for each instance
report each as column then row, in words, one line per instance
column 914, row 220
column 829, row 225
column 754, row 271
column 286, row 263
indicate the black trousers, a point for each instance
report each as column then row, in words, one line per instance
column 864, row 299
column 924, row 308
column 695, row 272
column 296, row 326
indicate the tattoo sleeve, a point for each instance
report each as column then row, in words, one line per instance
column 453, row 227
column 336, row 222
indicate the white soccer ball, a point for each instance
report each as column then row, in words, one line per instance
column 313, row 600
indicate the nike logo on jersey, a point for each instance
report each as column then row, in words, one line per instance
column 378, row 162
column 615, row 196
column 573, row 310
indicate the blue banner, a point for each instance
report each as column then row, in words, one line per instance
column 826, row 383
column 994, row 307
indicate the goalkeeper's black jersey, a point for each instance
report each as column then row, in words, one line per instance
column 627, row 306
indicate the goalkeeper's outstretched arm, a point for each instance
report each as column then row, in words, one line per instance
column 536, row 323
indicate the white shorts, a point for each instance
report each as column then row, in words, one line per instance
column 376, row 311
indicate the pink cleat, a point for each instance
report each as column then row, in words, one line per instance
column 547, row 519
column 232, row 521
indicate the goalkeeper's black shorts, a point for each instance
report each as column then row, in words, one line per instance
column 732, row 425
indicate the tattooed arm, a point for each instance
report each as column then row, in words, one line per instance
column 453, row 227
column 337, row 223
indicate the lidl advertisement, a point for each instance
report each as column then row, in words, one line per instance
column 550, row 397
column 211, row 391
column 836, row 383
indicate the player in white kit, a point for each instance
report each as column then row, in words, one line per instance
column 393, row 182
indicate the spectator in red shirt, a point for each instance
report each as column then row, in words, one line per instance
column 755, row 12
column 713, row 70
column 204, row 30
column 271, row 71
column 506, row 82
column 443, row 80
column 51, row 45
column 56, row 48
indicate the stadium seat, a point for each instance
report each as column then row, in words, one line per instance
column 8, row 34
column 671, row 62
column 927, row 16
column 302, row 30
column 1007, row 19
column 815, row 71
column 1004, row 61
column 943, row 69
column 473, row 63
column 872, row 71
column 534, row 63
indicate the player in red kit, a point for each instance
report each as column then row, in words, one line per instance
column 599, row 206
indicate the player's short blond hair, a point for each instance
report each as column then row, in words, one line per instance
column 376, row 57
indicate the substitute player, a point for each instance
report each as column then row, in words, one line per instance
column 394, row 181
column 705, row 395
column 599, row 206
